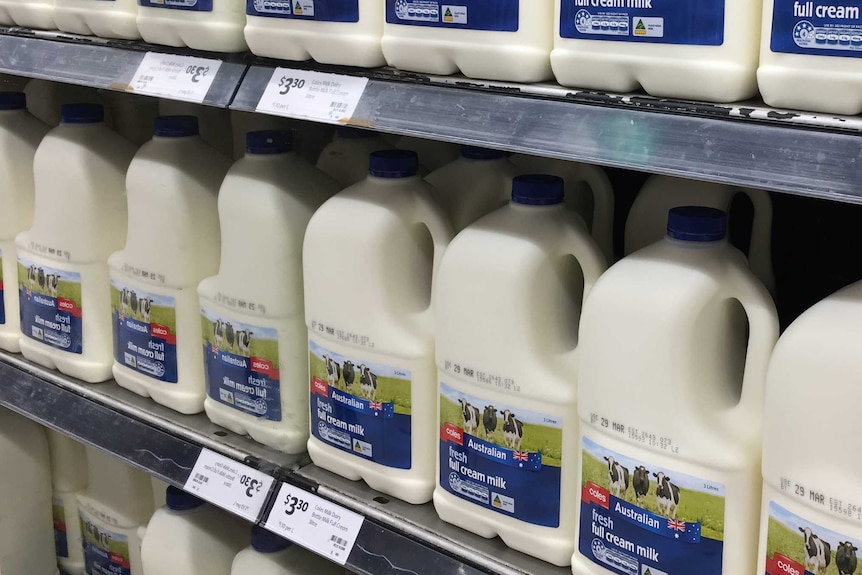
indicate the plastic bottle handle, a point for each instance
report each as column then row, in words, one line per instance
column 760, row 250
column 603, row 208
column 425, row 212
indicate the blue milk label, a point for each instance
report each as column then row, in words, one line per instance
column 320, row 10
column 61, row 539
column 501, row 457
column 145, row 331
column 105, row 552
column 496, row 16
column 193, row 5
column 51, row 310
column 638, row 518
column 361, row 407
column 2, row 296
column 797, row 546
column 817, row 28
column 241, row 365
column 690, row 22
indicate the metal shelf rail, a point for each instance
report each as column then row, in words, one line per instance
column 395, row 538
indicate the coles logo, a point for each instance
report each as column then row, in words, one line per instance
column 597, row 494
column 160, row 330
column 452, row 433
column 319, row 386
column 65, row 304
column 778, row 564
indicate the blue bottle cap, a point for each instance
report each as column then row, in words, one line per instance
column 82, row 113
column 393, row 164
column 179, row 500
column 176, row 126
column 265, row 542
column 696, row 224
column 476, row 153
column 269, row 142
column 12, row 101
column 347, row 133
column 538, row 190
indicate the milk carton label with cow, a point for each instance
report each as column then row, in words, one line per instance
column 639, row 518
column 241, row 365
column 495, row 455
column 51, row 310
column 499, row 16
column 145, row 331
column 106, row 552
column 329, row 11
column 797, row 546
column 361, row 407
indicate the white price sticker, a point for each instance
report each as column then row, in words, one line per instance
column 228, row 484
column 179, row 77
column 330, row 98
column 313, row 522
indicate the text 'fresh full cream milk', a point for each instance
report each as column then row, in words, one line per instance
column 675, row 340
column 369, row 258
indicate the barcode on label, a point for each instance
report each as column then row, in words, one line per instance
column 146, row 78
column 339, row 542
column 338, row 105
column 201, row 478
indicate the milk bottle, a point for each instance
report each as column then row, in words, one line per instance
column 699, row 49
column 346, row 32
column 28, row 13
column 670, row 399
column 809, row 56
column 172, row 244
column 214, row 124
column 45, row 99
column 112, row 512
column 309, row 138
column 508, row 458
column 113, row 19
column 214, row 25
column 20, row 134
column 647, row 220
column 254, row 335
column 369, row 257
column 79, row 219
column 269, row 554
column 26, row 537
column 345, row 159
column 588, row 192
column 69, row 476
column 475, row 184
column 433, row 154
column 190, row 537
column 507, row 40
column 810, row 513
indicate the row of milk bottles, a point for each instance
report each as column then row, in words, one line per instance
column 84, row 511
column 396, row 317
column 807, row 52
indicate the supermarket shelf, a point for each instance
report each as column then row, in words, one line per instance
column 396, row 538
column 746, row 144
column 98, row 63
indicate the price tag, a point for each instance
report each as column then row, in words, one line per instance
column 313, row 522
column 171, row 76
column 228, row 484
column 330, row 98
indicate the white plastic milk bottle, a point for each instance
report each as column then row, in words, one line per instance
column 214, row 124
column 811, row 489
column 588, row 192
column 809, row 57
column 309, row 138
column 647, row 219
column 214, row 25
column 507, row 40
column 269, row 554
column 20, row 134
column 28, row 13
column 697, row 49
column 255, row 343
column 670, row 399
column 370, row 255
column 345, row 32
column 26, row 536
column 477, row 183
column 433, row 154
column 105, row 19
column 507, row 456
column 69, row 477
column 112, row 512
column 173, row 243
column 191, row 537
column 345, row 158
column 79, row 219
